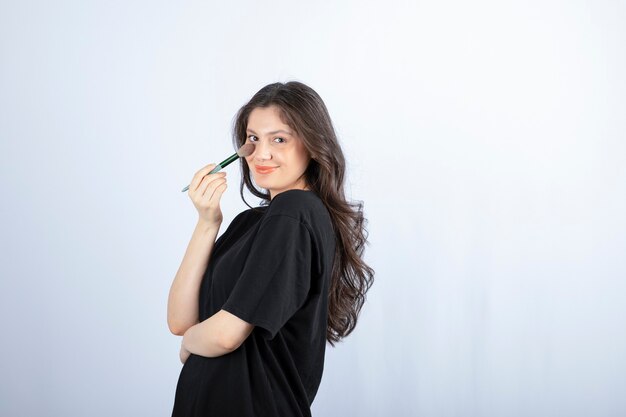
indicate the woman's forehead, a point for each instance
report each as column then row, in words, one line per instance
column 268, row 121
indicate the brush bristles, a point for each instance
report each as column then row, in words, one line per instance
column 246, row 150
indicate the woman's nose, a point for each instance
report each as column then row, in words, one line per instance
column 262, row 150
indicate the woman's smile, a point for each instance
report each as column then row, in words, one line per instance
column 261, row 169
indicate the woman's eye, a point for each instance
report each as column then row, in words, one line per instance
column 252, row 138
column 280, row 140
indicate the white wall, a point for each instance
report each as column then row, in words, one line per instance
column 487, row 140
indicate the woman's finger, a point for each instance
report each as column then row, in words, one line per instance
column 208, row 181
column 198, row 176
column 209, row 196
column 204, row 182
column 219, row 191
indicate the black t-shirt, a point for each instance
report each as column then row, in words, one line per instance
column 271, row 268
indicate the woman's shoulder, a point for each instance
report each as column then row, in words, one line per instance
column 303, row 205
column 250, row 215
column 291, row 201
column 240, row 224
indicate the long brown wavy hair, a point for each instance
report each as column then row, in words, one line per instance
column 303, row 110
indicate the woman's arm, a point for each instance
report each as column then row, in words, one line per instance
column 182, row 303
column 205, row 192
column 218, row 335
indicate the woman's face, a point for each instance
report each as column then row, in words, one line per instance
column 280, row 158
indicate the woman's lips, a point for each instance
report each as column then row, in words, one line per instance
column 264, row 169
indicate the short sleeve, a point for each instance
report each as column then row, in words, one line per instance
column 276, row 276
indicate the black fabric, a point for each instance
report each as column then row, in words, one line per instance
column 271, row 268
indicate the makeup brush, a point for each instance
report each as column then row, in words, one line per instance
column 244, row 151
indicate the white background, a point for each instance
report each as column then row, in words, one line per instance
column 486, row 139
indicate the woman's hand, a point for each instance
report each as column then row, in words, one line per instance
column 184, row 353
column 205, row 191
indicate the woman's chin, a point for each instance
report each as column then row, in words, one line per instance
column 266, row 185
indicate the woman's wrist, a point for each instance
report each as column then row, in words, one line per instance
column 207, row 227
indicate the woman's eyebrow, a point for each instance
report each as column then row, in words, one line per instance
column 271, row 133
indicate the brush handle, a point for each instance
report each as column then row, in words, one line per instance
column 225, row 162
column 219, row 166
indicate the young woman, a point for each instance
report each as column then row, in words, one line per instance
column 257, row 306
